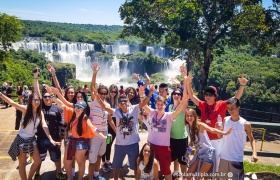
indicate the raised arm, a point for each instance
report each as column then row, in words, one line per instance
column 248, row 130
column 204, row 126
column 95, row 130
column 46, row 129
column 147, row 99
column 55, row 80
column 13, row 103
column 188, row 86
column 242, row 81
column 183, row 105
column 36, row 83
column 95, row 68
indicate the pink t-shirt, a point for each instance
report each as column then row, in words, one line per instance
column 159, row 128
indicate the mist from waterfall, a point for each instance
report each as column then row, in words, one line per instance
column 111, row 71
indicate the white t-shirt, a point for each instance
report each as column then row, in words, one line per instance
column 159, row 128
column 127, row 125
column 146, row 176
column 99, row 116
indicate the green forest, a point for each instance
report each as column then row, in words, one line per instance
column 263, row 72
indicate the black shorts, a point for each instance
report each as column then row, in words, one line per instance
column 45, row 145
column 178, row 149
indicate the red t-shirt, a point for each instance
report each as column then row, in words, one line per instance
column 211, row 113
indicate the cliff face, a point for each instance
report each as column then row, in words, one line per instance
column 64, row 72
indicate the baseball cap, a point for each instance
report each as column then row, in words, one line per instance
column 81, row 104
column 212, row 90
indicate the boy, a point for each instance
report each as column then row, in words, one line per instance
column 232, row 151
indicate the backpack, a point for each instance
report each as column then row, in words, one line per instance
column 25, row 94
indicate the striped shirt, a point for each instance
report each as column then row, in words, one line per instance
column 99, row 116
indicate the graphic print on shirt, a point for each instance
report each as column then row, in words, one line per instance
column 126, row 125
column 158, row 125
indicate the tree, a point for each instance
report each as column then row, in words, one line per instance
column 201, row 26
column 10, row 30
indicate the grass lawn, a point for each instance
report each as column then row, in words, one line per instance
column 250, row 167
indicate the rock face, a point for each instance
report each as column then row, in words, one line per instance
column 64, row 72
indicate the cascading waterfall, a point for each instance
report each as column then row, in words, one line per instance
column 112, row 71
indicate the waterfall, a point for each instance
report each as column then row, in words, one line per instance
column 117, row 49
column 172, row 68
column 149, row 49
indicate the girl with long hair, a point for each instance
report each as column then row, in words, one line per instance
column 132, row 95
column 112, row 99
column 25, row 141
column 204, row 158
column 147, row 165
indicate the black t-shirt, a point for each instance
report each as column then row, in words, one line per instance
column 53, row 119
column 9, row 90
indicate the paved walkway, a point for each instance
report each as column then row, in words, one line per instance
column 8, row 169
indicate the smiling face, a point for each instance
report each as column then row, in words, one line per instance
column 233, row 110
column 103, row 94
column 131, row 94
column 47, row 99
column 160, row 104
column 36, row 102
column 70, row 94
column 146, row 151
column 123, row 104
column 176, row 95
column 79, row 97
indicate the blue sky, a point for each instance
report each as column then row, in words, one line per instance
column 71, row 11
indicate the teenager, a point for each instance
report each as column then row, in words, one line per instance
column 147, row 165
column 112, row 99
column 127, row 135
column 99, row 118
column 25, row 141
column 232, row 152
column 204, row 157
column 211, row 108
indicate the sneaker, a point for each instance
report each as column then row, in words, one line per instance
column 176, row 175
column 63, row 169
column 98, row 178
column 37, row 177
column 109, row 165
column 61, row 176
column 106, row 168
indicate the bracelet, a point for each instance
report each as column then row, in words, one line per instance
column 53, row 75
column 149, row 96
column 52, row 96
column 0, row 94
column 142, row 96
column 35, row 78
column 242, row 84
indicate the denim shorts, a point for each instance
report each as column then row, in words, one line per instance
column 80, row 145
column 24, row 145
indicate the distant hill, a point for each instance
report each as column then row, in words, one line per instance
column 54, row 31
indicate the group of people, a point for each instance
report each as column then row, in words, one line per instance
column 175, row 132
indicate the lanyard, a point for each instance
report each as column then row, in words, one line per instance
column 209, row 111
column 34, row 121
column 125, row 118
column 175, row 107
column 157, row 121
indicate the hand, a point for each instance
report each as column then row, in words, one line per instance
column 55, row 143
column 175, row 81
column 217, row 126
column 95, row 68
column 254, row 158
column 49, row 89
column 185, row 99
column 152, row 89
column 141, row 91
column 51, row 69
column 135, row 76
column 183, row 70
column 36, row 74
column 147, row 78
column 55, row 90
column 242, row 81
column 228, row 132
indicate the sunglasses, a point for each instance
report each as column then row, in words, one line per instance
column 178, row 94
column 35, row 100
column 78, row 107
column 114, row 92
column 208, row 94
column 46, row 97
column 123, row 101
column 104, row 94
